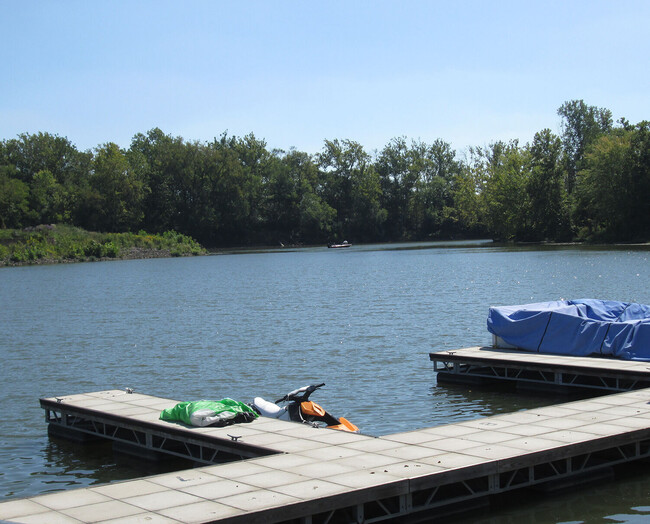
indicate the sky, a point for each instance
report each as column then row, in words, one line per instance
column 297, row 73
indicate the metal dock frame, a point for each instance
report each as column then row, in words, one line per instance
column 467, row 488
column 146, row 439
column 319, row 476
column 558, row 372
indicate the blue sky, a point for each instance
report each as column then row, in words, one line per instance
column 297, row 73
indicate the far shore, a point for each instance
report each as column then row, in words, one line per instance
column 142, row 253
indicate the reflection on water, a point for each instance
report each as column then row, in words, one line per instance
column 98, row 461
column 362, row 320
column 53, row 464
column 470, row 402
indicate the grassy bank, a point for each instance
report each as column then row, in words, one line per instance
column 59, row 243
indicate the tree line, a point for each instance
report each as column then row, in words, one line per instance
column 591, row 182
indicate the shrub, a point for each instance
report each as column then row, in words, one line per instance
column 72, row 243
column 110, row 249
column 93, row 249
column 18, row 254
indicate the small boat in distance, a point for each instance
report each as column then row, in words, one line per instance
column 345, row 243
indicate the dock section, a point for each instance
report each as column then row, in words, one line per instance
column 562, row 373
column 132, row 422
column 311, row 475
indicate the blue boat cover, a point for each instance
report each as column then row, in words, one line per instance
column 584, row 327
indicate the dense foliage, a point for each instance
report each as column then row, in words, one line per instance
column 592, row 182
column 49, row 243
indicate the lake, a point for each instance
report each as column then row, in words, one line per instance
column 261, row 323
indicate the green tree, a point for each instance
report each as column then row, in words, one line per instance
column 466, row 212
column 417, row 185
column 581, row 125
column 342, row 163
column 153, row 158
column 228, row 194
column 257, row 164
column 317, row 218
column 601, row 193
column 48, row 200
column 190, row 180
column 435, row 166
column 368, row 216
column 638, row 171
column 612, row 190
column 548, row 212
column 308, row 217
column 294, row 211
column 504, row 194
column 116, row 192
column 31, row 154
column 282, row 212
column 397, row 184
column 352, row 186
column 14, row 204
column 68, row 174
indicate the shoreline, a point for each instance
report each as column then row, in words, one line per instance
column 133, row 254
column 140, row 253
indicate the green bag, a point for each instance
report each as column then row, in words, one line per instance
column 209, row 412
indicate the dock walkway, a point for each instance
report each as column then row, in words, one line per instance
column 529, row 369
column 301, row 474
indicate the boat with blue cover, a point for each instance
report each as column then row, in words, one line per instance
column 583, row 327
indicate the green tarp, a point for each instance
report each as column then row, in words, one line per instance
column 209, row 412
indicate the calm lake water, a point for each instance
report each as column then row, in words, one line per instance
column 363, row 320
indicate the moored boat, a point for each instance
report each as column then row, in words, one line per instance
column 584, row 327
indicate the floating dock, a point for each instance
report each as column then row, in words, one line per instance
column 561, row 373
column 300, row 474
